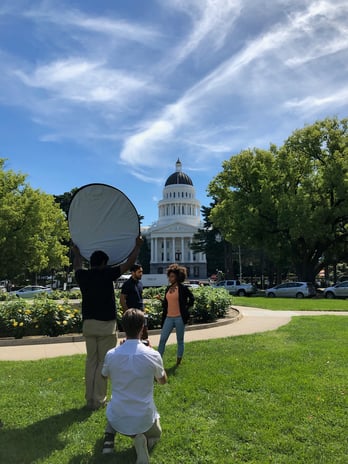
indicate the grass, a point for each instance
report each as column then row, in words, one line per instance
column 292, row 304
column 277, row 397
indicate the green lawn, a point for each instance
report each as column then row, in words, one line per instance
column 292, row 304
column 277, row 397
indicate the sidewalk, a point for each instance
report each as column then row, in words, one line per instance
column 250, row 320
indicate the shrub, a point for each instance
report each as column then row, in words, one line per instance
column 73, row 295
column 42, row 316
column 153, row 309
column 210, row 304
column 152, row 292
column 55, row 319
column 16, row 318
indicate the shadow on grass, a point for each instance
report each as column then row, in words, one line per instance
column 40, row 438
column 125, row 456
column 171, row 371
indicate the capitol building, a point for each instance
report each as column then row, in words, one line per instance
column 178, row 220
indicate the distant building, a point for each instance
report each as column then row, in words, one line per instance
column 178, row 220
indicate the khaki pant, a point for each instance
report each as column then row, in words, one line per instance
column 100, row 338
column 155, row 431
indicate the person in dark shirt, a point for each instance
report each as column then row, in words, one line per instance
column 132, row 293
column 99, row 316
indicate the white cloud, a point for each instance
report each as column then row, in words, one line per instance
column 83, row 81
column 145, row 177
column 280, row 44
column 112, row 27
column 337, row 97
column 212, row 20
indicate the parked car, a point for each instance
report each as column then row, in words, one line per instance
column 188, row 284
column 292, row 290
column 29, row 291
column 339, row 290
column 74, row 289
column 235, row 287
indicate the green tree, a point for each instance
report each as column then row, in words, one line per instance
column 144, row 256
column 209, row 241
column 291, row 201
column 64, row 200
column 32, row 228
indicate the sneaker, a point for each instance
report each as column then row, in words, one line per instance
column 140, row 444
column 108, row 445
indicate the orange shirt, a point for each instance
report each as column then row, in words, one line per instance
column 173, row 303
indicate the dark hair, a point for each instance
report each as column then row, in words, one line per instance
column 179, row 271
column 135, row 267
column 132, row 322
column 98, row 258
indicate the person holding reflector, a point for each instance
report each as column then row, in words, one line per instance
column 101, row 219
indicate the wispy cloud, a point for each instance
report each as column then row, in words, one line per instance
column 337, row 97
column 83, row 81
column 112, row 27
column 279, row 44
column 218, row 79
column 212, row 20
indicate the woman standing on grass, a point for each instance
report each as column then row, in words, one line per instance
column 176, row 303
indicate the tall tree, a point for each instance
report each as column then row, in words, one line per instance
column 291, row 201
column 210, row 241
column 64, row 199
column 32, row 228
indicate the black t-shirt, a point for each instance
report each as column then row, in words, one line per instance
column 98, row 295
column 133, row 289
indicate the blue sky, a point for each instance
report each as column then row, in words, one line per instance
column 116, row 91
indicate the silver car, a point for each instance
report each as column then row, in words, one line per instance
column 339, row 290
column 292, row 290
column 29, row 291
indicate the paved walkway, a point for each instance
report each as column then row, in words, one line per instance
column 252, row 320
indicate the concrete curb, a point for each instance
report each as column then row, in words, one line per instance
column 233, row 315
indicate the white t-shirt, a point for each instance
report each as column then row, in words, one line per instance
column 132, row 367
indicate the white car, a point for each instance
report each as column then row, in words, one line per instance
column 292, row 289
column 339, row 290
column 29, row 291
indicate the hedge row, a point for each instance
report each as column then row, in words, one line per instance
column 45, row 316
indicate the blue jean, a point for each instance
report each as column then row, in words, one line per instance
column 168, row 326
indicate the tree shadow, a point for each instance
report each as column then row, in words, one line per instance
column 39, row 439
column 125, row 456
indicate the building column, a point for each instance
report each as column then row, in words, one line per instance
column 173, row 247
column 164, row 249
column 155, row 251
column 183, row 257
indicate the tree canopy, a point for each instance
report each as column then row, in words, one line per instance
column 32, row 228
column 291, row 201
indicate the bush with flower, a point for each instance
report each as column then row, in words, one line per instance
column 40, row 316
column 45, row 316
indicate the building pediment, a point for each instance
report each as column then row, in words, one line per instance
column 174, row 228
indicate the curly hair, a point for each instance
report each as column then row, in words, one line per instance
column 179, row 271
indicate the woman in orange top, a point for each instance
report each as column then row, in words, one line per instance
column 176, row 303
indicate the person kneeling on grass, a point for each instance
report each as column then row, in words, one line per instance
column 131, row 368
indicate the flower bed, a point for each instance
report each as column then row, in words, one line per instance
column 40, row 316
column 46, row 316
